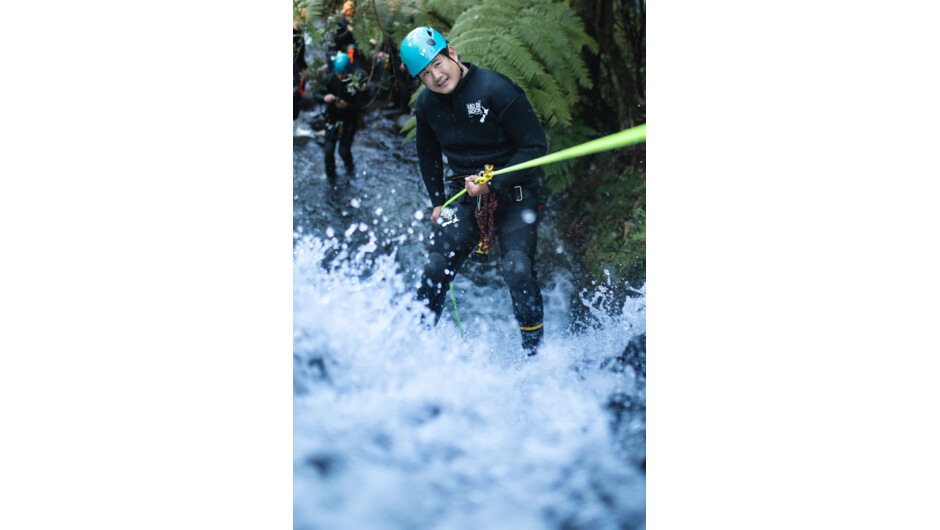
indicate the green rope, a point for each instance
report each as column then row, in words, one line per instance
column 454, row 298
column 621, row 139
column 613, row 141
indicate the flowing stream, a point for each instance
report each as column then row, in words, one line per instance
column 400, row 427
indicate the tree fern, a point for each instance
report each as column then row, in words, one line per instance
column 309, row 12
column 446, row 11
column 308, row 9
column 558, row 175
column 539, row 39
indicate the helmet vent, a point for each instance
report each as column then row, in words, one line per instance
column 431, row 42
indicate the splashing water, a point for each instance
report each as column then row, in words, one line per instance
column 398, row 426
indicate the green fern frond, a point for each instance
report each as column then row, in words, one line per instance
column 445, row 11
column 312, row 9
column 559, row 175
column 536, row 43
column 409, row 129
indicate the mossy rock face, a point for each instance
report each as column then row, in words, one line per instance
column 604, row 215
column 615, row 254
column 616, row 247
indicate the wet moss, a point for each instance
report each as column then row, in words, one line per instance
column 605, row 216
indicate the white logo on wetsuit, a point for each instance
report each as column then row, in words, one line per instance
column 449, row 216
column 477, row 109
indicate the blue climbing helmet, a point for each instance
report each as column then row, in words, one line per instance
column 341, row 63
column 419, row 47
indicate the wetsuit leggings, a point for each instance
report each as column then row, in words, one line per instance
column 344, row 131
column 451, row 245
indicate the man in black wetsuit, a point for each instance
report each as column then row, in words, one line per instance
column 477, row 117
column 343, row 105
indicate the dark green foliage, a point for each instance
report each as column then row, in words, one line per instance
column 310, row 13
column 440, row 14
column 377, row 26
column 309, row 10
column 619, row 68
column 617, row 233
column 306, row 13
column 317, row 19
column 613, row 235
column 559, row 176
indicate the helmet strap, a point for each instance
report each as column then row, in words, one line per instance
column 459, row 66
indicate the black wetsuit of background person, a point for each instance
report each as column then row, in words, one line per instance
column 341, row 123
column 487, row 119
column 300, row 65
column 342, row 39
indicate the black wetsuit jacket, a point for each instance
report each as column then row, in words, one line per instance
column 487, row 119
column 343, row 36
column 334, row 85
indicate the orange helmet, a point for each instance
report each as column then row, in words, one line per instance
column 349, row 8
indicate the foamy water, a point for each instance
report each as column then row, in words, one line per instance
column 401, row 427
column 396, row 426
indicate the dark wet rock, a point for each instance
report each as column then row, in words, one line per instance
column 633, row 356
column 383, row 441
column 424, row 414
column 324, row 464
column 308, row 369
column 628, row 425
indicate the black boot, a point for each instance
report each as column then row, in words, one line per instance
column 331, row 175
column 531, row 338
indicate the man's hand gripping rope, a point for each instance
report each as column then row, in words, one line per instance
column 479, row 182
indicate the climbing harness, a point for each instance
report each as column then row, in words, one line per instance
column 485, row 215
column 613, row 141
column 335, row 126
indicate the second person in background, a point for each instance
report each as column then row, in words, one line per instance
column 343, row 105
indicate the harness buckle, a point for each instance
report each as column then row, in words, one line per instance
column 518, row 193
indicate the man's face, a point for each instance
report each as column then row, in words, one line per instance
column 442, row 74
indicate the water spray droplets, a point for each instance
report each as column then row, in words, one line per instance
column 528, row 216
